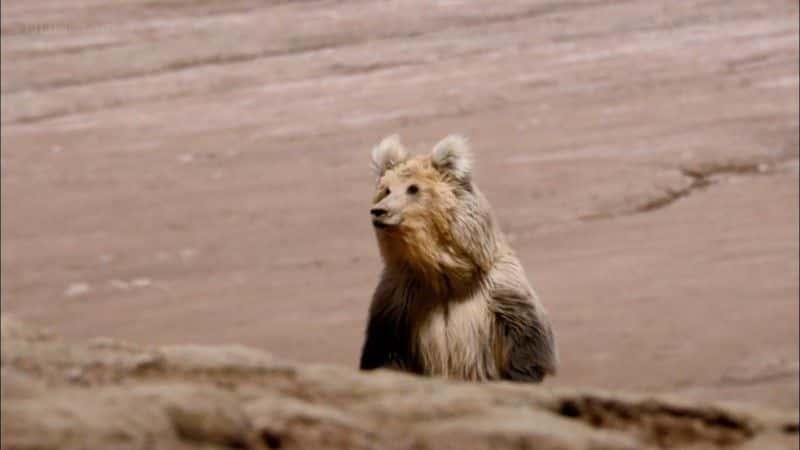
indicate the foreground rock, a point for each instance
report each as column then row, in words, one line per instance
column 106, row 394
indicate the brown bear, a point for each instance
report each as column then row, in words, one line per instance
column 453, row 300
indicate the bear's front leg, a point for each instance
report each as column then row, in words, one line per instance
column 384, row 346
column 523, row 328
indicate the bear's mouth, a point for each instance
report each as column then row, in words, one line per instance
column 385, row 224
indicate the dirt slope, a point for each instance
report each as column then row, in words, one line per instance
column 198, row 172
column 109, row 394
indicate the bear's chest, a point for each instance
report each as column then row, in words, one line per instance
column 455, row 341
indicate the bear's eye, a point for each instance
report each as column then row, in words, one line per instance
column 413, row 189
column 387, row 191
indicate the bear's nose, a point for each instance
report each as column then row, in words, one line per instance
column 378, row 212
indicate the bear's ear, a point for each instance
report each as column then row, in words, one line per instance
column 387, row 154
column 453, row 156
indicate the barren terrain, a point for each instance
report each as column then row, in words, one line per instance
column 197, row 171
column 109, row 394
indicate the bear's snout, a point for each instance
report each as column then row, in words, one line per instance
column 378, row 212
column 383, row 217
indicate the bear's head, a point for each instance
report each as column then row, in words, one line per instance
column 428, row 215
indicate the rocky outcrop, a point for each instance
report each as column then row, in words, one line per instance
column 105, row 394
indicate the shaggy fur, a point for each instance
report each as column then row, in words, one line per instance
column 453, row 300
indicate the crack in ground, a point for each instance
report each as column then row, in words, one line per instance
column 700, row 179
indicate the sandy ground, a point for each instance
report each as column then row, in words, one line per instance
column 197, row 171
